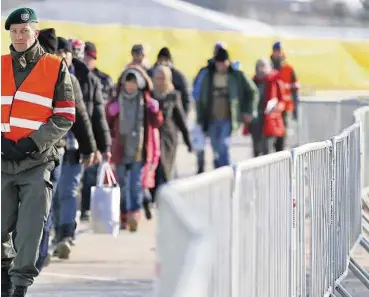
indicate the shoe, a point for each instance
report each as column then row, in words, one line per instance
column 147, row 209
column 6, row 283
column 64, row 248
column 132, row 221
column 19, row 291
column 123, row 221
column 85, row 216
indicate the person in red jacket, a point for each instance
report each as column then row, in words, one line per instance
column 270, row 109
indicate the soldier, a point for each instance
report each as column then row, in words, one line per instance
column 37, row 109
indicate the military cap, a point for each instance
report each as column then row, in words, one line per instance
column 21, row 16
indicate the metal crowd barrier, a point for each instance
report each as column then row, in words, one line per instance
column 209, row 197
column 282, row 225
column 184, row 259
column 264, row 226
column 362, row 116
column 321, row 119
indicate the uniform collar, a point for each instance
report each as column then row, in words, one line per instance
column 31, row 55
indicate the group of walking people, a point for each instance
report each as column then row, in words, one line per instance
column 62, row 118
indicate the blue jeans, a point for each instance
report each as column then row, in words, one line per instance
column 67, row 194
column 89, row 180
column 44, row 244
column 129, row 176
column 219, row 134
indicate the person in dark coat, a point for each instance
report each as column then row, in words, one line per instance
column 90, row 59
column 179, row 80
column 93, row 97
column 174, row 119
column 82, row 130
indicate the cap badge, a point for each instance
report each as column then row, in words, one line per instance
column 25, row 16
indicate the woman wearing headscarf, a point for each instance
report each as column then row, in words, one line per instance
column 174, row 118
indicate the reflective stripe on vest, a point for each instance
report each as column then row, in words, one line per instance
column 25, row 109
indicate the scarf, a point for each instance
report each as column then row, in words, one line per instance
column 161, row 94
column 131, row 122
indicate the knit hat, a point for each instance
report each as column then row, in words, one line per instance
column 64, row 44
column 165, row 53
column 222, row 55
column 277, row 46
column 48, row 40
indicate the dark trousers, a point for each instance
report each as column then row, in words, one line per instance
column 280, row 142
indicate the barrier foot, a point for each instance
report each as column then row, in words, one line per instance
column 365, row 216
column 357, row 272
column 362, row 270
column 365, row 244
column 343, row 292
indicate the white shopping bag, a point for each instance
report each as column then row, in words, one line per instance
column 197, row 138
column 105, row 203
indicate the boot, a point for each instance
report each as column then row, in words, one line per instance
column 132, row 220
column 123, row 220
column 64, row 247
column 147, row 204
column 19, row 291
column 6, row 283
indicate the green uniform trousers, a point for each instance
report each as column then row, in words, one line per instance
column 25, row 205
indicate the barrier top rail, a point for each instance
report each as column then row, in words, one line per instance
column 264, row 160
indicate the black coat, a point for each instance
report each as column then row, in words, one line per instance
column 106, row 82
column 174, row 119
column 93, row 98
column 82, row 128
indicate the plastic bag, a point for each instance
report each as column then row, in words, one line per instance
column 105, row 203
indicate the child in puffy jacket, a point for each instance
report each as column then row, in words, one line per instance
column 133, row 117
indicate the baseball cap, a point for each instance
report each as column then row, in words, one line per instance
column 90, row 50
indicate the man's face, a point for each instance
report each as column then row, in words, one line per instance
column 222, row 66
column 277, row 54
column 137, row 57
column 65, row 55
column 23, row 36
column 90, row 62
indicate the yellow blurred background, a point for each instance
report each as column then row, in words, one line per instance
column 320, row 64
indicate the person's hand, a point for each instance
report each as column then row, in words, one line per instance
column 153, row 105
column 26, row 146
column 97, row 157
column 189, row 148
column 88, row 160
column 106, row 156
column 9, row 150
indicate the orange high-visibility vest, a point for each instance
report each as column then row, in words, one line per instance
column 25, row 109
column 290, row 85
